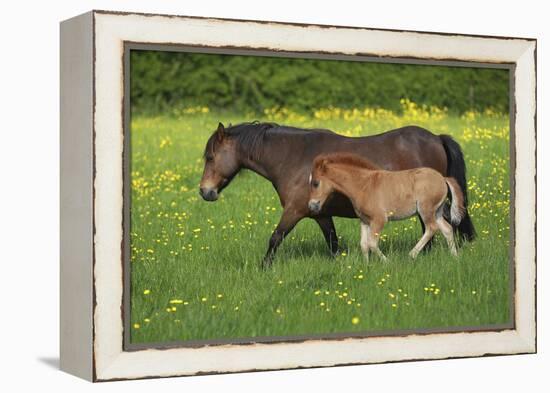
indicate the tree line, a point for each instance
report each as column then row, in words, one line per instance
column 160, row 81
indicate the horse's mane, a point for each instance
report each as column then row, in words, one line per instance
column 249, row 136
column 344, row 159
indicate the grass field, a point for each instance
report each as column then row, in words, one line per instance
column 195, row 266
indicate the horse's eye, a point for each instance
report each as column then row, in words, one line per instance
column 315, row 183
column 209, row 159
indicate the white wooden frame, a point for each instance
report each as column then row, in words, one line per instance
column 92, row 90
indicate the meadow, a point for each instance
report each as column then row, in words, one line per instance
column 195, row 266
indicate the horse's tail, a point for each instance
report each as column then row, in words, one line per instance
column 456, row 168
column 457, row 201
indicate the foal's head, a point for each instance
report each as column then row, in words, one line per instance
column 321, row 183
column 320, row 186
column 221, row 164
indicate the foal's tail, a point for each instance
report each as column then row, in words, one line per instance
column 457, row 203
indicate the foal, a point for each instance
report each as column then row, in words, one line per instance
column 379, row 195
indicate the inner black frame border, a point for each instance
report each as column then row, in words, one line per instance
column 264, row 52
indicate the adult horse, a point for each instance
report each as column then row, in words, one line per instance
column 284, row 155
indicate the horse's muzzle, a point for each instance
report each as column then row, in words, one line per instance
column 208, row 194
column 314, row 206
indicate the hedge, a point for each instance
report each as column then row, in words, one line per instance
column 163, row 80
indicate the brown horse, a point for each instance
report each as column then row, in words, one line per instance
column 284, row 155
column 379, row 196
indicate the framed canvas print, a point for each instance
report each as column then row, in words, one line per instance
column 246, row 195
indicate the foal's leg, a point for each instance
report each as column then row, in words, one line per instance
column 365, row 240
column 428, row 217
column 288, row 221
column 428, row 245
column 447, row 231
column 327, row 226
column 374, row 230
column 426, row 237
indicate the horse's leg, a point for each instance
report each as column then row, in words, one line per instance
column 365, row 240
column 374, row 229
column 447, row 231
column 288, row 221
column 327, row 226
column 431, row 227
column 466, row 228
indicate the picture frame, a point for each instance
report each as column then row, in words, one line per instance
column 94, row 114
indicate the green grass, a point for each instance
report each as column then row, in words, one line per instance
column 195, row 266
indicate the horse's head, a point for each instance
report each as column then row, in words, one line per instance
column 221, row 164
column 320, row 186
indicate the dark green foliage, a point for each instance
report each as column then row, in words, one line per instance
column 164, row 80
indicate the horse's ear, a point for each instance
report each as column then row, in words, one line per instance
column 323, row 165
column 220, row 132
